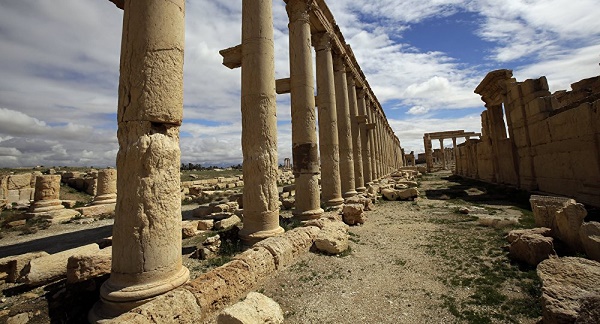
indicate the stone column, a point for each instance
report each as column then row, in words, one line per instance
column 371, row 140
column 378, row 155
column 443, row 151
column 454, row 151
column 259, row 123
column 146, row 250
column 328, row 130
column 428, row 152
column 366, row 149
column 344, row 128
column 381, row 146
column 359, row 181
column 106, row 189
column 47, row 194
column 304, row 129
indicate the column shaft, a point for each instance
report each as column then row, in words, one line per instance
column 304, row 133
column 344, row 128
column 259, row 123
column 328, row 129
column 146, row 255
column 356, row 137
column 364, row 138
column 371, row 136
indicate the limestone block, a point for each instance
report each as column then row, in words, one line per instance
column 362, row 200
column 515, row 234
column 531, row 248
column 353, row 214
column 205, row 224
column 332, row 240
column 22, row 318
column 568, row 221
column 590, row 239
column 409, row 184
column 219, row 208
column 302, row 238
column 96, row 210
column 19, row 181
column 288, row 203
column 26, row 194
column 222, row 285
column 13, row 265
column 256, row 308
column 406, row 194
column 59, row 216
column 389, row 194
column 13, row 196
column 544, row 210
column 566, row 284
column 260, row 261
column 177, row 306
column 227, row 222
column 68, row 203
column 202, row 211
column 189, row 229
column 54, row 266
column 82, row 267
column 281, row 248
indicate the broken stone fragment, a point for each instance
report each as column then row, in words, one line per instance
column 353, row 214
column 532, row 248
column 82, row 267
column 256, row 308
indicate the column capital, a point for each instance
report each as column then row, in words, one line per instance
column 351, row 79
column 322, row 41
column 298, row 10
column 361, row 93
column 339, row 63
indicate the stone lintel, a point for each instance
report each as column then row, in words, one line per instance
column 283, row 86
column 232, row 57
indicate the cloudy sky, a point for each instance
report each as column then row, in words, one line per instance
column 59, row 63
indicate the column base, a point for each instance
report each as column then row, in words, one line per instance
column 350, row 193
column 115, row 300
column 334, row 202
column 251, row 238
column 309, row 214
column 361, row 189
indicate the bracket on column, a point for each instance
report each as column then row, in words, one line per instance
column 371, row 126
column 283, row 86
column 232, row 57
column 361, row 119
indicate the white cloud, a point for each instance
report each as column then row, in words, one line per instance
column 418, row 110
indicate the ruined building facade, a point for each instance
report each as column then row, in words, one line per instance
column 549, row 143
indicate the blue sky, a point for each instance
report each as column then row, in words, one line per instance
column 59, row 62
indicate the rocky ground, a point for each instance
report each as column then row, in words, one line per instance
column 438, row 259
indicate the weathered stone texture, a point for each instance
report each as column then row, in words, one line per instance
column 566, row 284
column 81, row 267
column 51, row 267
column 256, row 308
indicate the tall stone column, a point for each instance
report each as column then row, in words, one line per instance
column 106, row 189
column 259, row 123
column 364, row 138
column 428, row 152
column 328, row 130
column 146, row 250
column 359, row 181
column 371, row 140
column 444, row 166
column 381, row 146
column 304, row 126
column 47, row 194
column 344, row 128
column 455, row 152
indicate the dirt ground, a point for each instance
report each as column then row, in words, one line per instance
column 438, row 259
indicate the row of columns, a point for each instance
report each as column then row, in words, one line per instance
column 356, row 144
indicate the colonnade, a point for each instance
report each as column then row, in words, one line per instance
column 356, row 144
column 427, row 137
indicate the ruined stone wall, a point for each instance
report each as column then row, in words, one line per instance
column 554, row 143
